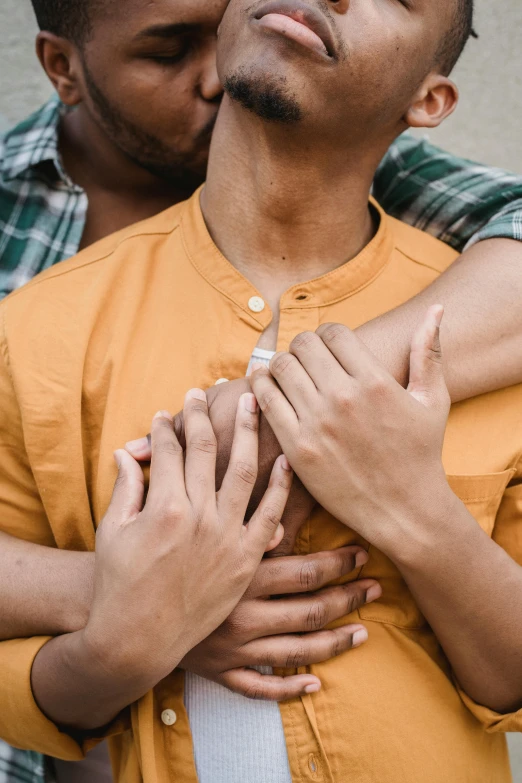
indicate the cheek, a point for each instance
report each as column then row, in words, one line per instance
column 165, row 102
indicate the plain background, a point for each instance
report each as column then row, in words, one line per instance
column 486, row 126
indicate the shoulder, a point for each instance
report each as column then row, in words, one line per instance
column 421, row 248
column 111, row 250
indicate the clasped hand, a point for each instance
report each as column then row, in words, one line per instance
column 368, row 450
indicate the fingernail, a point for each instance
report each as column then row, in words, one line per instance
column 250, row 403
column 117, row 458
column 359, row 637
column 138, row 445
column 373, row 593
column 163, row 415
column 313, row 688
column 361, row 558
column 196, row 394
column 285, row 464
column 258, row 366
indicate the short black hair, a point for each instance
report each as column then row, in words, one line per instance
column 454, row 42
column 69, row 19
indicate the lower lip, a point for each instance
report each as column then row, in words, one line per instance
column 295, row 31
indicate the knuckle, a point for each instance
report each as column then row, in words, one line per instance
column 332, row 332
column 317, row 615
column 305, row 340
column 295, row 657
column 344, row 400
column 206, row 444
column 246, row 472
column 254, row 692
column 306, row 450
column 377, row 386
column 169, row 448
column 251, row 424
column 281, row 363
column 336, row 647
column 121, row 481
column 271, row 515
column 355, row 599
column 310, row 576
column 266, row 400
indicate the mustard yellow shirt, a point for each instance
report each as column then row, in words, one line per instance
column 93, row 347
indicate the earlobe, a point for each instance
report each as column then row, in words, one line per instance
column 59, row 59
column 435, row 100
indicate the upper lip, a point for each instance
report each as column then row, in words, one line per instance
column 303, row 13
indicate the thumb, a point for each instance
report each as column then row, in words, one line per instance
column 129, row 489
column 427, row 382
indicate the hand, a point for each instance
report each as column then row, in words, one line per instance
column 222, row 404
column 270, row 627
column 367, row 450
column 168, row 575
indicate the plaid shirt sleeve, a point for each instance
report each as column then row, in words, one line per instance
column 453, row 199
column 21, row 766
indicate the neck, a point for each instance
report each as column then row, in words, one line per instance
column 95, row 163
column 281, row 208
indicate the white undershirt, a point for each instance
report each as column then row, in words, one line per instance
column 236, row 740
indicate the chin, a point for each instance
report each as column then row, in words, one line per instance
column 265, row 93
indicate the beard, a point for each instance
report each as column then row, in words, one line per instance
column 265, row 96
column 146, row 150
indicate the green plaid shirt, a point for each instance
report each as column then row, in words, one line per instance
column 42, row 217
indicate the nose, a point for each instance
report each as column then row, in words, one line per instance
column 210, row 87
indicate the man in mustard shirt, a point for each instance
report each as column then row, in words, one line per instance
column 262, row 254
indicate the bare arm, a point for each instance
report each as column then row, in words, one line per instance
column 393, row 491
column 43, row 591
column 48, row 592
column 482, row 329
column 186, row 540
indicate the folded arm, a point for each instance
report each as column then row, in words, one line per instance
column 45, row 592
column 392, row 490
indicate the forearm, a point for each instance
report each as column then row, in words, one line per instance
column 80, row 689
column 482, row 328
column 470, row 592
column 43, row 591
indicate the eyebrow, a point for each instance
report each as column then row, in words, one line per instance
column 165, row 31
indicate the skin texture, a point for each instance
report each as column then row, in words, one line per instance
column 331, row 402
column 49, row 592
column 136, row 635
column 146, row 93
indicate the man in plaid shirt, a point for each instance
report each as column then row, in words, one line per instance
column 59, row 192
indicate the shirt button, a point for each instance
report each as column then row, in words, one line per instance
column 169, row 717
column 256, row 304
column 220, row 381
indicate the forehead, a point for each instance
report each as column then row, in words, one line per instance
column 133, row 15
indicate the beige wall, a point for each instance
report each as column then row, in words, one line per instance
column 487, row 125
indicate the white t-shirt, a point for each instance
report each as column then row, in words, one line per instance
column 236, row 740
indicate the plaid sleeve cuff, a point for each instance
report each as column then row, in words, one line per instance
column 507, row 224
column 493, row 722
column 22, row 723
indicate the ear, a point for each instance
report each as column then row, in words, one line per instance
column 61, row 61
column 434, row 101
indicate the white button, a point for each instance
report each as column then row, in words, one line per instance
column 221, row 380
column 256, row 304
column 169, row 717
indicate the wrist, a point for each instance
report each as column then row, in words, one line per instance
column 76, row 606
column 424, row 525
